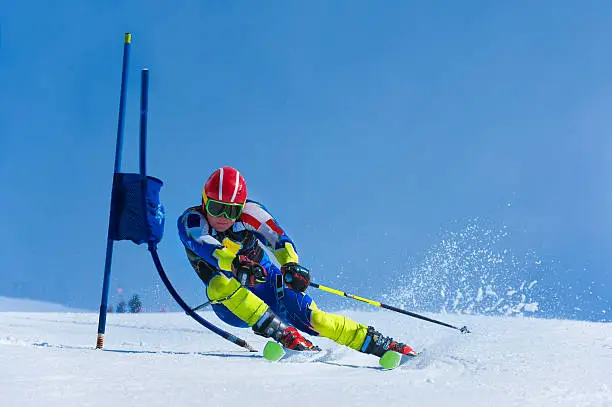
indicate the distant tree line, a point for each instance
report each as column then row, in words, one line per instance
column 134, row 305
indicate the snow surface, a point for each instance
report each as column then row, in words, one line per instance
column 47, row 359
column 27, row 305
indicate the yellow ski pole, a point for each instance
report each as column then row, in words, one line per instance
column 463, row 329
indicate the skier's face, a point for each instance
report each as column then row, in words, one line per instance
column 221, row 223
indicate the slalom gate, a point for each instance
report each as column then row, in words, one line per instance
column 136, row 213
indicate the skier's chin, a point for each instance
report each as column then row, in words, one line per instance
column 220, row 224
column 222, row 229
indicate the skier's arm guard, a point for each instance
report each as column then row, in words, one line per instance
column 194, row 234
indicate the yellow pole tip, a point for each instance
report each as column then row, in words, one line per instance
column 128, row 38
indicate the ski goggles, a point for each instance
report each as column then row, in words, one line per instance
column 217, row 209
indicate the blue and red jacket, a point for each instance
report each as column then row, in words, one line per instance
column 255, row 227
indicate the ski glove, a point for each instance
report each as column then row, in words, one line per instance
column 296, row 277
column 247, row 272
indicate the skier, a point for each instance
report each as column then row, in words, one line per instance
column 223, row 238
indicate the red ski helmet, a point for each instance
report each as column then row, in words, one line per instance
column 225, row 185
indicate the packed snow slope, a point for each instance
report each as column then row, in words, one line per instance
column 47, row 359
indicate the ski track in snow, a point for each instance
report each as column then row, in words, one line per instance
column 167, row 359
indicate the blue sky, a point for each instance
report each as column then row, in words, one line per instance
column 370, row 130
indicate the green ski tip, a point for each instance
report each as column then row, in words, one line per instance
column 273, row 351
column 390, row 360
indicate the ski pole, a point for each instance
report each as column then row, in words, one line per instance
column 199, row 307
column 463, row 329
column 226, row 335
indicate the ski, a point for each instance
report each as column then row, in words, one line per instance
column 390, row 359
column 275, row 352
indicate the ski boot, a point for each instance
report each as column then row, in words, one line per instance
column 390, row 352
column 377, row 344
column 271, row 326
column 292, row 339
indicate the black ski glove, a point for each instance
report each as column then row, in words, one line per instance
column 296, row 277
column 247, row 272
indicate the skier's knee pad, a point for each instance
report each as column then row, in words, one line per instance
column 221, row 287
column 240, row 301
